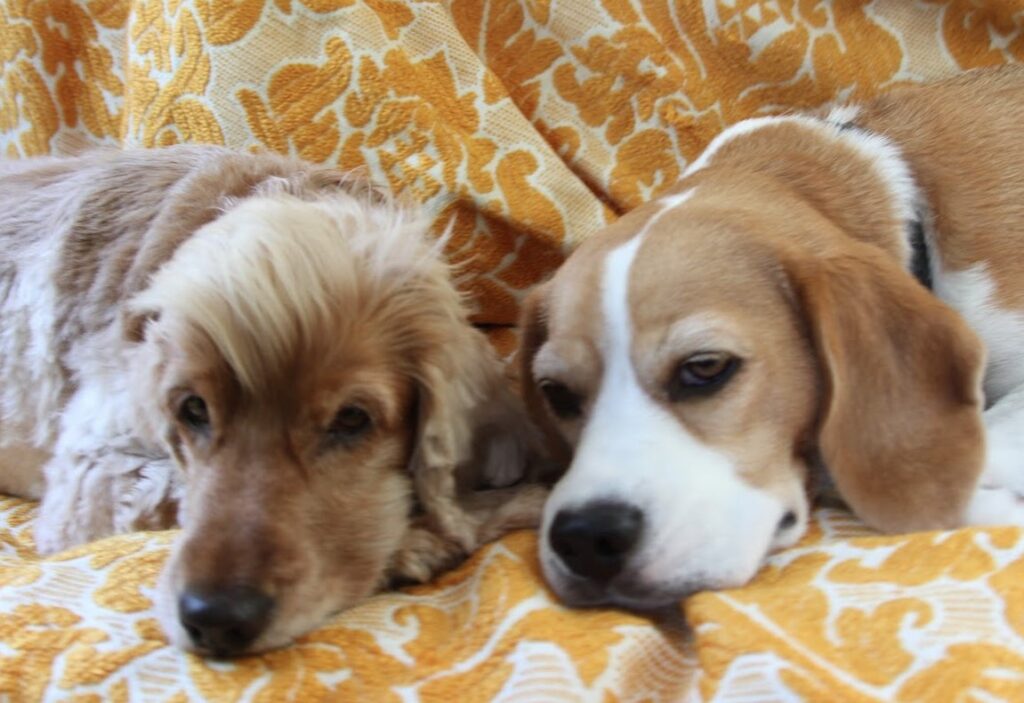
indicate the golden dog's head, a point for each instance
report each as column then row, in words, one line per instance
column 296, row 356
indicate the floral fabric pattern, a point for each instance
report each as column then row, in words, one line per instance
column 525, row 126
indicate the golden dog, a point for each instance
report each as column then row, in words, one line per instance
column 268, row 352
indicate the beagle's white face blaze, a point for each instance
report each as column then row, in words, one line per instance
column 680, row 480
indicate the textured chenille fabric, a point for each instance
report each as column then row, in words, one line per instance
column 525, row 126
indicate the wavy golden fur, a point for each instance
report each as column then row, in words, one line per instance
column 271, row 354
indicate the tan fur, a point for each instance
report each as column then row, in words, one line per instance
column 535, row 334
column 964, row 140
column 900, row 424
column 278, row 292
column 791, row 253
column 21, row 470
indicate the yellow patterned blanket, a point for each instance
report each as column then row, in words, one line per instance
column 530, row 124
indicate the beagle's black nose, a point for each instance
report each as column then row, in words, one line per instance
column 594, row 541
column 224, row 621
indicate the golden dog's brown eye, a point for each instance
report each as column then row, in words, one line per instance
column 350, row 423
column 193, row 413
column 702, row 374
column 563, row 402
column 787, row 521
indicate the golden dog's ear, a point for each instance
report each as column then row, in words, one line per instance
column 534, row 327
column 900, row 424
column 356, row 182
column 473, row 431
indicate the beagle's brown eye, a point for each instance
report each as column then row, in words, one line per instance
column 194, row 414
column 563, row 402
column 351, row 423
column 702, row 374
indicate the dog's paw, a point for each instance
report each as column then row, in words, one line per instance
column 505, row 463
column 51, row 537
column 1004, row 444
column 59, row 527
column 999, row 497
column 147, row 497
column 995, row 505
column 503, row 510
column 457, row 526
column 422, row 554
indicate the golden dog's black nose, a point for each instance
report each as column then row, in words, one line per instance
column 224, row 621
column 594, row 541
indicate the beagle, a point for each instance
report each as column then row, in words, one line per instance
column 843, row 290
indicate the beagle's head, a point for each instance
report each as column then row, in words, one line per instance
column 698, row 357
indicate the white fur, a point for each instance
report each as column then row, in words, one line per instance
column 75, row 409
column 972, row 293
column 101, row 452
column 842, row 114
column 699, row 515
column 28, row 353
column 1000, row 497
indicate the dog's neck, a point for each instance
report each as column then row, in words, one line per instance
column 919, row 263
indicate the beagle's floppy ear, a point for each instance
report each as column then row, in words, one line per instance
column 900, row 425
column 534, row 326
column 472, row 430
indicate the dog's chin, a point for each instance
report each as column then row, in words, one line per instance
column 282, row 632
column 626, row 591
column 179, row 638
column 577, row 592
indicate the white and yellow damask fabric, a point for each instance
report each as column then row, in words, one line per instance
column 80, row 627
column 528, row 124
column 844, row 616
